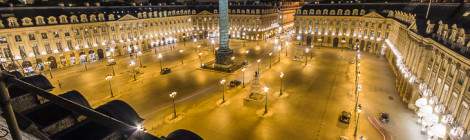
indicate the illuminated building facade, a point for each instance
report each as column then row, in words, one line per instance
column 68, row 36
column 428, row 50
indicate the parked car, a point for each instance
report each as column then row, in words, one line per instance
column 165, row 71
column 234, row 83
column 345, row 117
column 384, row 117
column 343, row 138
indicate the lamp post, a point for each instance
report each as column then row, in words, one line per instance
column 50, row 69
column 243, row 77
column 160, row 57
column 139, row 54
column 299, row 38
column 111, row 63
column 213, row 45
column 358, row 112
column 132, row 64
column 86, row 68
column 258, row 62
column 287, row 46
column 307, row 50
column 109, row 78
column 181, row 53
column 246, row 54
column 281, row 76
column 184, row 40
column 222, row 83
column 266, row 90
column 270, row 58
column 172, row 96
column 200, row 59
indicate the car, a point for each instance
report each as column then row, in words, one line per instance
column 343, row 138
column 165, row 71
column 234, row 83
column 384, row 117
column 345, row 117
column 111, row 63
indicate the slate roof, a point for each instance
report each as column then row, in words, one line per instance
column 46, row 11
column 21, row 12
column 449, row 13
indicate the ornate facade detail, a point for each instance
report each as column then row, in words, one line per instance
column 51, row 20
column 40, row 20
column 27, row 21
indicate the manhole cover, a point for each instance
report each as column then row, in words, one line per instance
column 390, row 97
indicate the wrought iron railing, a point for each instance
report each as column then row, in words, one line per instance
column 5, row 101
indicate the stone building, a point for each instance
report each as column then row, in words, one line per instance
column 66, row 36
column 428, row 51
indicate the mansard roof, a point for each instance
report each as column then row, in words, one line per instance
column 56, row 11
column 449, row 13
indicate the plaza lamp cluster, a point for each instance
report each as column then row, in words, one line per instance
column 430, row 113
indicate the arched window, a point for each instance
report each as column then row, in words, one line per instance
column 63, row 19
column 83, row 18
column 40, row 20
column 51, row 20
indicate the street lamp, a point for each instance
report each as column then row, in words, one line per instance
column 132, row 64
column 184, row 40
column 160, row 57
column 200, row 58
column 50, row 69
column 299, row 38
column 213, row 45
column 266, row 90
column 172, row 96
column 222, row 83
column 181, row 53
column 109, row 78
column 198, row 48
column 84, row 62
column 281, row 78
column 111, row 63
column 307, row 50
column 358, row 110
column 243, row 77
column 287, row 46
column 139, row 54
column 258, row 62
column 270, row 57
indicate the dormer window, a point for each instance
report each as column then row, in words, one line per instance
column 63, row 19
column 52, row 20
column 12, row 22
column 92, row 18
column 27, row 21
column 100, row 17
column 110, row 17
column 40, row 20
column 74, row 19
column 83, row 18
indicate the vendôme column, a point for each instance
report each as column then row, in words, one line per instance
column 224, row 53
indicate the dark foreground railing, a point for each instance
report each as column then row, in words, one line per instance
column 91, row 114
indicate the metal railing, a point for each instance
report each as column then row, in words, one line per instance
column 91, row 114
